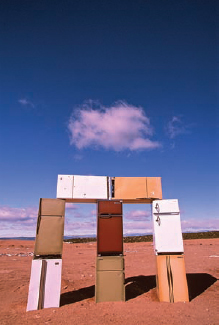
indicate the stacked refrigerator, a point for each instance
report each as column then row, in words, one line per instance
column 136, row 188
column 79, row 187
column 45, row 279
column 110, row 276
column 168, row 245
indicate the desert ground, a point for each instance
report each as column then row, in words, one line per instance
column 78, row 281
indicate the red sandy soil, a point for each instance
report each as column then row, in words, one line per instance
column 78, row 280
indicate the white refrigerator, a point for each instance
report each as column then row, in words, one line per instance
column 167, row 234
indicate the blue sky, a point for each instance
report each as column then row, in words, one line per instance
column 113, row 88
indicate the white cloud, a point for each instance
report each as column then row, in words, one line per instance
column 26, row 102
column 118, row 127
column 137, row 215
column 8, row 214
column 71, row 207
column 143, row 227
column 18, row 221
column 197, row 225
column 80, row 228
column 176, row 127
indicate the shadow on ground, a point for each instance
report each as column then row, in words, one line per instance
column 198, row 283
column 77, row 295
column 138, row 285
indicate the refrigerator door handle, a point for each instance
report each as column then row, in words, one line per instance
column 158, row 220
column 106, row 216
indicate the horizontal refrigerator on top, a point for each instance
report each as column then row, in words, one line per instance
column 82, row 187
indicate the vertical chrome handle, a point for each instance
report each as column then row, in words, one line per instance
column 158, row 220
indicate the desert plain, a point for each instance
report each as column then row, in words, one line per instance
column 77, row 302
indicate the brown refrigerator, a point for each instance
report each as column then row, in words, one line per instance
column 50, row 227
column 110, row 279
column 109, row 228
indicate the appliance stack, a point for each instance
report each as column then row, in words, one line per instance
column 45, row 279
column 110, row 276
column 169, row 251
column 109, row 193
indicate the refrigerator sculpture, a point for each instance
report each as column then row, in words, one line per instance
column 45, row 279
column 82, row 188
column 168, row 246
column 110, row 277
column 135, row 189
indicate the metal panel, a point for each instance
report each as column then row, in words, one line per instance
column 167, row 229
column 154, row 189
column 110, row 263
column 52, row 207
column 33, row 295
column 171, row 278
column 49, row 236
column 109, row 235
column 53, row 283
column 110, row 286
column 109, row 207
column 90, row 187
column 65, row 186
column 130, row 188
column 45, row 284
column 165, row 206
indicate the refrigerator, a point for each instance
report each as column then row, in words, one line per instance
column 135, row 188
column 171, row 278
column 82, row 187
column 50, row 227
column 110, row 279
column 45, row 284
column 109, row 228
column 167, row 233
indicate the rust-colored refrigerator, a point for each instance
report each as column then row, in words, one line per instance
column 109, row 228
column 110, row 275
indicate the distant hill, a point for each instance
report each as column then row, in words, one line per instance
column 149, row 238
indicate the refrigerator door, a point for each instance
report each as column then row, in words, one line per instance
column 33, row 295
column 165, row 206
column 167, row 234
column 49, row 236
column 109, row 207
column 130, row 188
column 154, row 188
column 52, row 207
column 171, row 278
column 53, row 283
column 45, row 284
column 90, row 187
column 167, row 227
column 110, row 263
column 109, row 234
column 65, row 186
column 110, row 286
